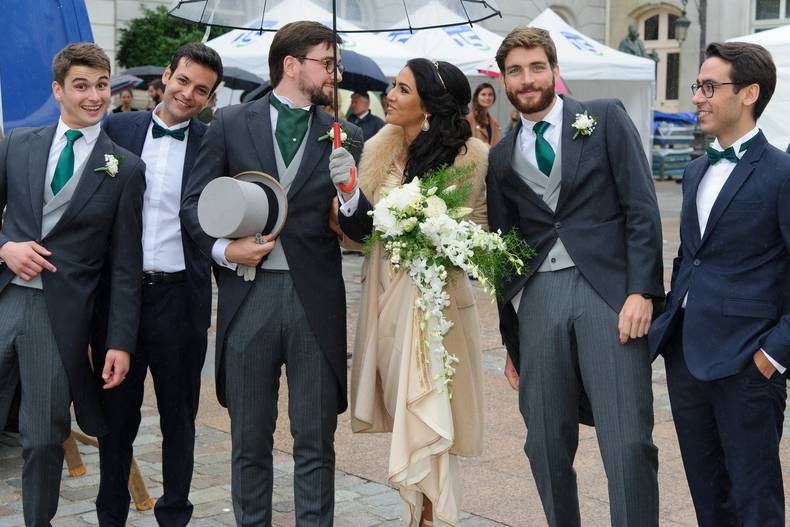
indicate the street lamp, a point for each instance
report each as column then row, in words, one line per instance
column 682, row 25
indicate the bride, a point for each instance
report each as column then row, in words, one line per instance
column 391, row 390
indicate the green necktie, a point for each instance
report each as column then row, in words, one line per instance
column 160, row 131
column 543, row 151
column 291, row 128
column 65, row 167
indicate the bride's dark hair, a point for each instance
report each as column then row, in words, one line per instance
column 445, row 95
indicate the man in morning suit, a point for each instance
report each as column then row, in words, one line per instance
column 359, row 114
column 176, row 300
column 572, row 177
column 73, row 202
column 294, row 311
column 725, row 333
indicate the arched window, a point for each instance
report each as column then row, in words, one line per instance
column 657, row 29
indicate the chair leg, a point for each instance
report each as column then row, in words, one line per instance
column 73, row 458
column 142, row 500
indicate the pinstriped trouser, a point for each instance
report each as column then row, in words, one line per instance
column 29, row 354
column 568, row 342
column 270, row 330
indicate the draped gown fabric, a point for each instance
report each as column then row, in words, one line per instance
column 392, row 376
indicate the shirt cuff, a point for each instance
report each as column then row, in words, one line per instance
column 779, row 367
column 218, row 253
column 349, row 207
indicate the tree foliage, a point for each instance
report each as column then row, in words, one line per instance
column 153, row 38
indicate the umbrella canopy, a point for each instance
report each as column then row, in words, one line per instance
column 233, row 77
column 118, row 83
column 389, row 15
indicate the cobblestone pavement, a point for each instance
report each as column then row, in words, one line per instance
column 498, row 486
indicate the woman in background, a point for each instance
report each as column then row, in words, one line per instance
column 483, row 124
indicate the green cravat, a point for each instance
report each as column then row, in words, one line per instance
column 543, row 151
column 65, row 167
column 291, row 128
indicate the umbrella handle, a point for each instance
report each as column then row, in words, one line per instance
column 348, row 188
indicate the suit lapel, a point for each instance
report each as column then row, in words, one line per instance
column 140, row 131
column 89, row 180
column 313, row 150
column 260, row 126
column 511, row 143
column 737, row 178
column 570, row 148
column 693, row 179
column 194, row 137
column 38, row 156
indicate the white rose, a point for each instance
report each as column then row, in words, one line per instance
column 435, row 206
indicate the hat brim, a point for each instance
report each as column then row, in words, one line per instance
column 272, row 187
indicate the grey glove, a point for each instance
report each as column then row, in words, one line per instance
column 341, row 163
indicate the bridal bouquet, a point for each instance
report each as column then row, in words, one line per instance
column 422, row 229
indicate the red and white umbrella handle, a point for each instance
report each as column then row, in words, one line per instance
column 348, row 188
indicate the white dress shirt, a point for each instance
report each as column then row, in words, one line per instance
column 164, row 161
column 526, row 141
column 709, row 188
column 83, row 147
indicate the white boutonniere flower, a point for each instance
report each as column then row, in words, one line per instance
column 584, row 124
column 112, row 163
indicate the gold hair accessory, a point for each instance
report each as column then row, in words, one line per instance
column 439, row 74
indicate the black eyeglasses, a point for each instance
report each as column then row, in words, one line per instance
column 329, row 64
column 708, row 88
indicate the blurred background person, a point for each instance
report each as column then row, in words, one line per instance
column 359, row 114
column 127, row 98
column 156, row 89
column 483, row 124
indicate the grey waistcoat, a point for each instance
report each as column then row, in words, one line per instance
column 54, row 207
column 548, row 188
column 276, row 259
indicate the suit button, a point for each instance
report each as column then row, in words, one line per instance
column 696, row 263
column 558, row 225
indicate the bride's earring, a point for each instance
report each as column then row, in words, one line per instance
column 425, row 126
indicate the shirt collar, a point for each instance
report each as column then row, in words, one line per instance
column 288, row 102
column 737, row 144
column 360, row 117
column 554, row 117
column 90, row 134
column 155, row 118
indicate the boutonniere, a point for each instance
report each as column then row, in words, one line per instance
column 584, row 124
column 111, row 164
column 344, row 140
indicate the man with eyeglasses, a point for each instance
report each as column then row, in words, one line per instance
column 294, row 311
column 725, row 335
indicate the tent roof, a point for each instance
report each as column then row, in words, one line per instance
column 581, row 57
column 776, row 40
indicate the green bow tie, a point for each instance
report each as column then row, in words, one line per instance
column 714, row 156
column 160, row 131
column 291, row 128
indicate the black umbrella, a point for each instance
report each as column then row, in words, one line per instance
column 361, row 73
column 234, row 78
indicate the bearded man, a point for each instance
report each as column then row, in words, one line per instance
column 572, row 177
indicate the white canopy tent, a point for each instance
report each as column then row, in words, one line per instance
column 772, row 123
column 591, row 71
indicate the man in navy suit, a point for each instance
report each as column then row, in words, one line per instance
column 725, row 334
column 176, row 307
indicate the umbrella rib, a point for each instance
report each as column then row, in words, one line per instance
column 408, row 18
column 263, row 14
column 468, row 18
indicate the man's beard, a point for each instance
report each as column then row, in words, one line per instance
column 315, row 94
column 543, row 102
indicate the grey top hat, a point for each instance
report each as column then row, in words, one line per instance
column 244, row 205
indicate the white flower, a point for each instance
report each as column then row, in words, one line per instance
column 386, row 222
column 584, row 124
column 343, row 135
column 404, row 197
column 435, row 206
column 111, row 165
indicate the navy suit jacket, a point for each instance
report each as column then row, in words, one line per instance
column 129, row 129
column 735, row 273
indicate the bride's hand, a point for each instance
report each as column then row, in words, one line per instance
column 511, row 374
